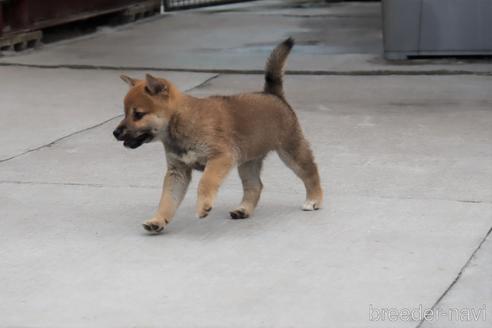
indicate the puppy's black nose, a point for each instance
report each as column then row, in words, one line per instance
column 118, row 132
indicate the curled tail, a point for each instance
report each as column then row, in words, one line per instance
column 274, row 68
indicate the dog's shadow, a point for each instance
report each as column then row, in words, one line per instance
column 218, row 224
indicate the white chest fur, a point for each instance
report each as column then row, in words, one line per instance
column 189, row 158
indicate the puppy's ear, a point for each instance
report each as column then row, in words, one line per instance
column 128, row 80
column 155, row 86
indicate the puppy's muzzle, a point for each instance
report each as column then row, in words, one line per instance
column 136, row 141
column 131, row 139
column 119, row 133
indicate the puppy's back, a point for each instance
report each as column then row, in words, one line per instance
column 260, row 122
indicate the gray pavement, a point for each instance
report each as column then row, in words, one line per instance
column 40, row 106
column 405, row 160
column 342, row 38
column 467, row 302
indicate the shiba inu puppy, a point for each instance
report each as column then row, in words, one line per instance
column 216, row 134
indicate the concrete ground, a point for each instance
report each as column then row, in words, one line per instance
column 404, row 151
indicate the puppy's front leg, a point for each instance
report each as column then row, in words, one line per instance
column 215, row 172
column 176, row 183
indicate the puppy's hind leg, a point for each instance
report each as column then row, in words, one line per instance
column 297, row 155
column 249, row 173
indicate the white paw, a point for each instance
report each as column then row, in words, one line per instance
column 203, row 212
column 155, row 225
column 310, row 205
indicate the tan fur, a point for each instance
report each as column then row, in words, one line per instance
column 216, row 134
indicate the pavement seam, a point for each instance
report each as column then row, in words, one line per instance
column 318, row 15
column 51, row 143
column 204, row 83
column 382, row 72
column 458, row 276
column 100, row 185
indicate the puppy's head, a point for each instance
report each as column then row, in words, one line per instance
column 149, row 105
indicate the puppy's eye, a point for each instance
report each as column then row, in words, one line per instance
column 138, row 115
